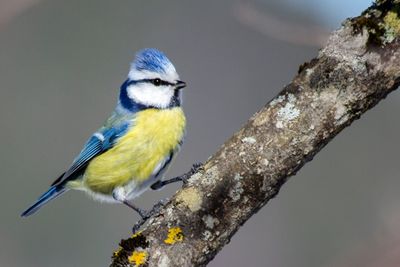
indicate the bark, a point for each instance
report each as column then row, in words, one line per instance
column 357, row 68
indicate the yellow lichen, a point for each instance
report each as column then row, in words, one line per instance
column 138, row 257
column 136, row 234
column 116, row 253
column 191, row 198
column 392, row 26
column 175, row 234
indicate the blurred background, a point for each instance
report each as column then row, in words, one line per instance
column 61, row 66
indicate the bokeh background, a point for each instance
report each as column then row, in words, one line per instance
column 61, row 65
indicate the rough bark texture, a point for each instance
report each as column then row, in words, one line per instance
column 358, row 67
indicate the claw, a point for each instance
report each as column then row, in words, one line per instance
column 195, row 168
column 183, row 178
column 147, row 214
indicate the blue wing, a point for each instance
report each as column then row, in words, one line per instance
column 97, row 144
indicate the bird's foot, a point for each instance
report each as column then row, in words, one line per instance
column 195, row 168
column 145, row 215
column 183, row 178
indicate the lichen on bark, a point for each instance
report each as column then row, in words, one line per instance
column 357, row 68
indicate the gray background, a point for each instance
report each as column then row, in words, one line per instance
column 61, row 66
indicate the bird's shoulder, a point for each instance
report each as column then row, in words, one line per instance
column 99, row 142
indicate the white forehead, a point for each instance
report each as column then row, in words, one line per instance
column 169, row 74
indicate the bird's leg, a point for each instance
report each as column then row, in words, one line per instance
column 144, row 215
column 140, row 211
column 119, row 195
column 147, row 214
column 183, row 178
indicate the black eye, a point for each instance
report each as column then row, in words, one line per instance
column 157, row 82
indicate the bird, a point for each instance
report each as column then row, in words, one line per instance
column 137, row 143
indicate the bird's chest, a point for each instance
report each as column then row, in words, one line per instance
column 154, row 135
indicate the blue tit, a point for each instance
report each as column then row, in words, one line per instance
column 136, row 144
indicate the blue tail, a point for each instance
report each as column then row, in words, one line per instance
column 51, row 194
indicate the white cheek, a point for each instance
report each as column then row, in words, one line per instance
column 150, row 95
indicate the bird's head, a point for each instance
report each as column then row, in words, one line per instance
column 152, row 82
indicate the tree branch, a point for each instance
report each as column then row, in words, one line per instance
column 358, row 67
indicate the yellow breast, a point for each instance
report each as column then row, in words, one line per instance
column 154, row 135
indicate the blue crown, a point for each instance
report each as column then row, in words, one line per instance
column 151, row 59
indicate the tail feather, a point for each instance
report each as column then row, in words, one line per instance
column 51, row 194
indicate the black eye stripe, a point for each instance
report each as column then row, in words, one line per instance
column 156, row 82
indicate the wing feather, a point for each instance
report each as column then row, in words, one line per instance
column 97, row 144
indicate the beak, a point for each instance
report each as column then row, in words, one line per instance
column 179, row 85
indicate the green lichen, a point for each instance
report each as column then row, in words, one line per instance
column 392, row 26
column 380, row 21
